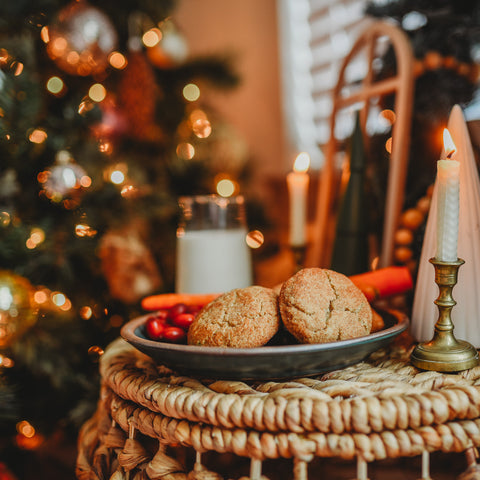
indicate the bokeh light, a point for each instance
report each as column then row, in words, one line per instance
column 202, row 128
column 44, row 34
column 85, row 181
column 117, row 60
column 5, row 219
column 255, row 239
column 55, row 85
column 58, row 298
column 37, row 236
column 117, row 177
column 85, row 312
column 225, row 187
column 185, row 150
column 6, row 362
column 38, row 135
column 152, row 37
column 389, row 116
column 26, row 429
column 388, row 145
column 40, row 296
column 84, row 230
column 17, row 67
column 97, row 92
column 191, row 92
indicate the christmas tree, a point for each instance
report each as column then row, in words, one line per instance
column 102, row 127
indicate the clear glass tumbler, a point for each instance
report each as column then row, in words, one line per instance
column 212, row 253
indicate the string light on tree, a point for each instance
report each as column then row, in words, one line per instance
column 191, row 92
column 152, row 37
column 117, row 60
column 27, row 437
column 56, row 86
column 37, row 236
column 85, row 312
column 83, row 230
column 185, row 151
column 39, row 135
column 97, row 92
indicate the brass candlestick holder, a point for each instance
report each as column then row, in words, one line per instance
column 444, row 353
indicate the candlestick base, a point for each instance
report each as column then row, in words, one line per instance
column 299, row 254
column 444, row 353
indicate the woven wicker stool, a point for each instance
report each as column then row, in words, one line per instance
column 383, row 408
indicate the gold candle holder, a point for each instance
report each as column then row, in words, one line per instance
column 444, row 353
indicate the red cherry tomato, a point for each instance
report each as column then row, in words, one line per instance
column 183, row 320
column 177, row 309
column 155, row 328
column 194, row 309
column 174, row 334
column 161, row 314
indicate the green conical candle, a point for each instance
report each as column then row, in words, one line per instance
column 350, row 252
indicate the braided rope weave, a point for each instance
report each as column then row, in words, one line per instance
column 380, row 408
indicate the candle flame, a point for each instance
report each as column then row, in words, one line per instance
column 302, row 162
column 448, row 144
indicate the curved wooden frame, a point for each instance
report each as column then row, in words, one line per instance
column 403, row 85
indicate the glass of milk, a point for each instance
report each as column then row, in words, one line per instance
column 212, row 253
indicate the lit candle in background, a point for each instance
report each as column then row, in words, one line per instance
column 297, row 183
column 448, row 176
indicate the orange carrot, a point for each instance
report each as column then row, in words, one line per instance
column 167, row 300
column 383, row 282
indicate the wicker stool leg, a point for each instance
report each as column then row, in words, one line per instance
column 362, row 469
column 473, row 470
column 255, row 469
column 200, row 472
column 299, row 469
column 425, row 466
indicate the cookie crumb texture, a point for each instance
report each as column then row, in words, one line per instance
column 241, row 318
column 319, row 306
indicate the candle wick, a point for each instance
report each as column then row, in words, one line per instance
column 450, row 154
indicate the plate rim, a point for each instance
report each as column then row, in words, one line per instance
column 128, row 333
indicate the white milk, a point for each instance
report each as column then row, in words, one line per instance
column 212, row 261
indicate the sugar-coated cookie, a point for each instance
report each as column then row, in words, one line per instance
column 241, row 318
column 319, row 305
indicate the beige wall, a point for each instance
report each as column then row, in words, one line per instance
column 248, row 29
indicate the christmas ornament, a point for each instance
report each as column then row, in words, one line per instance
column 17, row 308
column 65, row 179
column 128, row 265
column 172, row 48
column 114, row 122
column 137, row 93
column 80, row 39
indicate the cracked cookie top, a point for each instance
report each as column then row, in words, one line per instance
column 241, row 318
column 319, row 305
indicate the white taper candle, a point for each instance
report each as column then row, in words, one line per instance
column 448, row 176
column 297, row 183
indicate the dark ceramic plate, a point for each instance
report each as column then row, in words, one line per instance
column 269, row 362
